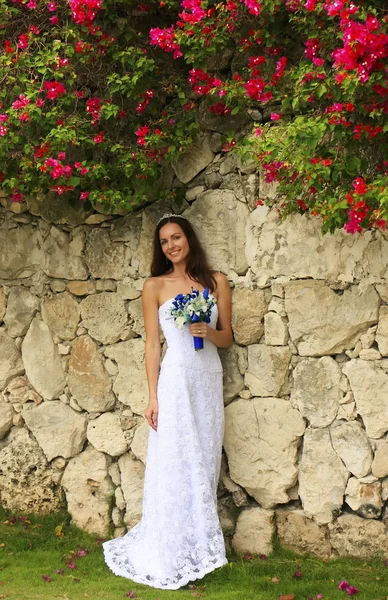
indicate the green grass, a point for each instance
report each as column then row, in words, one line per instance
column 30, row 550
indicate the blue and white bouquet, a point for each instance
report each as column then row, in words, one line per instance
column 192, row 308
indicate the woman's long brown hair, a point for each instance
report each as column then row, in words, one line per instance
column 197, row 266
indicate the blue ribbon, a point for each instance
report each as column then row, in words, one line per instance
column 198, row 343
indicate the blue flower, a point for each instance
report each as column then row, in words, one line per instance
column 206, row 293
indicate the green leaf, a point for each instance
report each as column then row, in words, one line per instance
column 235, row 110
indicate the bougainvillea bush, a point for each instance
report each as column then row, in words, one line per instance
column 97, row 96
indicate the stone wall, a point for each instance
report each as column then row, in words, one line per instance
column 305, row 383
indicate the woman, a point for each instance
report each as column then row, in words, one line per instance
column 179, row 538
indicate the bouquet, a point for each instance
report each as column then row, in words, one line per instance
column 192, row 308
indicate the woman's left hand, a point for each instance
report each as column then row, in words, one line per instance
column 199, row 329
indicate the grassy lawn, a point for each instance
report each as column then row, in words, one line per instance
column 31, row 549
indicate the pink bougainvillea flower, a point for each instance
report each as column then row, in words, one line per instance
column 23, row 41
column 24, row 117
column 99, row 138
column 83, row 196
column 46, row 578
column 61, row 155
column 382, row 224
column 359, row 185
column 3, row 118
column 3, row 130
column 258, row 131
column 351, row 590
column 298, row 574
column 31, row 4
column 165, row 39
column 52, row 6
column 54, row 20
column 310, row 5
column 70, row 564
column 17, row 196
column 54, row 89
column 275, row 117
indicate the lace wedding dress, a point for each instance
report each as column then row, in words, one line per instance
column 179, row 538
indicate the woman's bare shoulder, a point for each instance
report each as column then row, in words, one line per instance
column 220, row 278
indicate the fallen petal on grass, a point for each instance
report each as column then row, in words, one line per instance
column 297, row 574
column 351, row 590
column 343, row 585
column 46, row 578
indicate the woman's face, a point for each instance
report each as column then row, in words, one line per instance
column 173, row 242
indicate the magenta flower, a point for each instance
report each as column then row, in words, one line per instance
column 343, row 585
column 275, row 117
column 52, row 6
column 351, row 590
column 3, row 118
column 54, row 20
column 70, row 564
column 83, row 196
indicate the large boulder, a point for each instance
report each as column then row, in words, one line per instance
column 130, row 385
column 6, row 419
column 21, row 253
column 11, row 363
column 301, row 534
column 42, row 361
column 89, row 491
column 261, row 441
column 25, row 478
column 351, row 535
column 254, row 531
column 106, row 435
column 382, row 331
column 63, row 259
column 248, row 310
column 295, row 247
column 21, row 308
column 139, row 444
column 62, row 315
column 219, row 220
column 132, row 483
column 104, row 316
column 59, row 430
column 316, row 391
column 232, row 379
column 194, row 160
column 323, row 322
column 369, row 385
column 105, row 259
column 352, row 446
column 268, row 370
column 322, row 477
column 88, row 380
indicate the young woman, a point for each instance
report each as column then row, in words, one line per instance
column 179, row 538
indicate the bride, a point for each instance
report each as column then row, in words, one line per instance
column 179, row 538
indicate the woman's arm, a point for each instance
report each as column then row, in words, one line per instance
column 152, row 348
column 222, row 337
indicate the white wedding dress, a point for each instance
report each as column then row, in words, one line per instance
column 179, row 538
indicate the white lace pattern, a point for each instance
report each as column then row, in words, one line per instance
column 179, row 538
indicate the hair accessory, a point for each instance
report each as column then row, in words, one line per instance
column 168, row 215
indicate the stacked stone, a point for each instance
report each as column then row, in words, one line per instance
column 305, row 382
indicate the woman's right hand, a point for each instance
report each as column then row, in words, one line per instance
column 151, row 414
